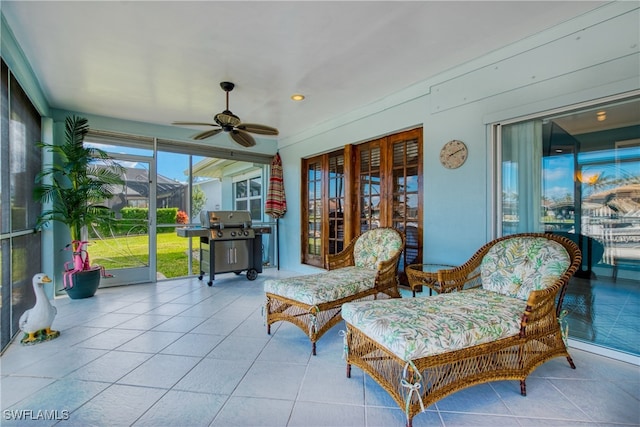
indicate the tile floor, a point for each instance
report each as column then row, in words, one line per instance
column 180, row 353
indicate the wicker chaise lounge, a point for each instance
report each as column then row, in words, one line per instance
column 366, row 268
column 422, row 349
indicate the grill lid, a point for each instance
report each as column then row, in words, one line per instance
column 225, row 219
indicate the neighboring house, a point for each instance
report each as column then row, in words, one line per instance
column 212, row 188
column 169, row 193
column 234, row 185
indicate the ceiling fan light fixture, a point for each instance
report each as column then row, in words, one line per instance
column 227, row 118
column 297, row 97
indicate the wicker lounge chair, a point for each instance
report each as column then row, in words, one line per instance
column 422, row 349
column 366, row 268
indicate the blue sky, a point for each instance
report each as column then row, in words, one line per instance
column 170, row 165
column 604, row 165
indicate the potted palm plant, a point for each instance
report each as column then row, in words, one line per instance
column 80, row 179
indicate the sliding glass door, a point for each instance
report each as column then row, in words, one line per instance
column 166, row 185
column 577, row 174
column 125, row 248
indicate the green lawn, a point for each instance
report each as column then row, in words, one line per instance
column 132, row 251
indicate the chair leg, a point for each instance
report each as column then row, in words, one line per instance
column 570, row 360
column 348, row 370
column 269, row 329
column 523, row 388
column 313, row 348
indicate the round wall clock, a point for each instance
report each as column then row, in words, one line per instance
column 453, row 154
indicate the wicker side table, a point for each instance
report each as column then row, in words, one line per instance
column 426, row 275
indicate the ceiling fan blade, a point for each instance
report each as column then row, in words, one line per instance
column 206, row 134
column 242, row 138
column 256, row 128
column 194, row 123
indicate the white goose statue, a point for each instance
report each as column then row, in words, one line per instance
column 36, row 322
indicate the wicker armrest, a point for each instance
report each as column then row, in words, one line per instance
column 388, row 272
column 342, row 259
column 466, row 276
column 540, row 312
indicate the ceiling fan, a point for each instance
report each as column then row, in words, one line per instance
column 229, row 122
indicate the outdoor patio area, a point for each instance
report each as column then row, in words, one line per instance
column 181, row 353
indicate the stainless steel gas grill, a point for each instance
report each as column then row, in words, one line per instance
column 231, row 245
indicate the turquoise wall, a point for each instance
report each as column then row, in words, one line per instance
column 590, row 57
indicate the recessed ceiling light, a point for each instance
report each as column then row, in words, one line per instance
column 601, row 116
column 297, row 97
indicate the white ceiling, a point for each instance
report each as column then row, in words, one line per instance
column 161, row 61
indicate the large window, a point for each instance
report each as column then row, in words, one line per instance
column 364, row 186
column 20, row 161
column 577, row 173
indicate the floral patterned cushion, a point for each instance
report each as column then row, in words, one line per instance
column 412, row 328
column 378, row 244
column 517, row 266
column 315, row 289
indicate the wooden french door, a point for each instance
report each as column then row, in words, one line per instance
column 364, row 186
column 389, row 189
column 312, row 248
column 325, row 207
